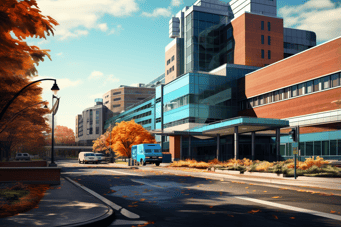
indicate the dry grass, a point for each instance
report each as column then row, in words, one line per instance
column 25, row 203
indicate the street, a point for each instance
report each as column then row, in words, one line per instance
column 164, row 197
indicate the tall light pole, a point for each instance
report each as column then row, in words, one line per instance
column 54, row 111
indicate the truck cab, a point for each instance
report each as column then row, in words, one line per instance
column 147, row 154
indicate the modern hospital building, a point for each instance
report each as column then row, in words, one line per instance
column 236, row 81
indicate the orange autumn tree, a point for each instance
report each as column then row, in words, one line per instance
column 126, row 134
column 23, row 124
column 99, row 144
column 63, row 135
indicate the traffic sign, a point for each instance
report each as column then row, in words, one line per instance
column 294, row 150
column 295, row 144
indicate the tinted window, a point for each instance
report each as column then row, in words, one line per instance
column 262, row 25
column 300, row 89
column 89, row 155
column 326, row 82
column 18, row 154
column 294, row 91
column 316, row 85
column 309, row 87
column 262, row 53
column 262, row 39
column 148, row 151
column 335, row 80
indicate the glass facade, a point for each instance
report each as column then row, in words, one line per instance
column 208, row 41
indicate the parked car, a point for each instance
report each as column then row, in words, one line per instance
column 86, row 157
column 22, row 156
column 147, row 153
column 100, row 157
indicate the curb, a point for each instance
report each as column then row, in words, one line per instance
column 104, row 220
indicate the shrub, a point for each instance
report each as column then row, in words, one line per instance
column 313, row 169
column 263, row 166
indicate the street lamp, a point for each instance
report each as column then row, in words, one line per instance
column 55, row 89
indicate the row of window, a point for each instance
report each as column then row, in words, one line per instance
column 170, row 60
column 296, row 46
column 142, row 115
column 171, row 69
column 117, row 99
column 145, row 122
column 269, row 26
column 116, row 93
column 189, row 120
column 314, row 148
column 269, row 54
column 118, row 105
column 305, row 88
column 269, row 40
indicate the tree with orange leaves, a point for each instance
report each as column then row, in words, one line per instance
column 64, row 135
column 23, row 124
column 99, row 144
column 126, row 134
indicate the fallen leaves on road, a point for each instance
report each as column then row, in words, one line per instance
column 264, row 191
column 275, row 216
column 142, row 200
column 292, row 217
column 211, row 206
column 124, row 196
column 246, row 187
column 253, row 211
column 276, row 197
column 332, row 211
column 230, row 215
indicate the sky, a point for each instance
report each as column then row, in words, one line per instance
column 100, row 45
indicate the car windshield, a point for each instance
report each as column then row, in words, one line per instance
column 152, row 150
column 89, row 154
column 99, row 155
column 18, row 154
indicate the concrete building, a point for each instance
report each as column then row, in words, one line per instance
column 117, row 100
column 237, row 81
column 90, row 124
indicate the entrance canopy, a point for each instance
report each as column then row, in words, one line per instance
column 227, row 127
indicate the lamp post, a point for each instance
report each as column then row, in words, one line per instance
column 53, row 112
column 54, row 89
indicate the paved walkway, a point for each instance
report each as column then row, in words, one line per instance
column 64, row 204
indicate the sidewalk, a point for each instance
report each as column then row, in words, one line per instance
column 320, row 182
column 64, row 205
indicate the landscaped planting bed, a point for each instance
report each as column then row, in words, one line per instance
column 310, row 167
column 18, row 198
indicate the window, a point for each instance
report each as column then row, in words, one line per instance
column 309, row 149
column 269, row 54
column 286, row 92
column 266, row 98
column 317, row 148
column 116, row 93
column 173, row 68
column 325, row 82
column 262, row 53
column 280, row 94
column 262, row 39
column 269, row 27
column 262, row 25
column 300, row 89
column 255, row 101
column 335, row 80
column 117, row 99
column 325, row 147
column 269, row 40
column 116, row 105
column 309, row 87
column 167, row 72
column 261, row 101
column 97, row 130
column 316, row 85
column 333, row 147
column 294, row 91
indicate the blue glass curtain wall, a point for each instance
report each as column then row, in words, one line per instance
column 208, row 41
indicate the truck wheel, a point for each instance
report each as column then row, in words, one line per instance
column 157, row 163
column 79, row 161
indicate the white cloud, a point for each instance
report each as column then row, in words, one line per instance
column 117, row 30
column 176, row 2
column 59, row 53
column 320, row 16
column 44, row 41
column 164, row 12
column 77, row 19
column 112, row 79
column 103, row 27
column 95, row 75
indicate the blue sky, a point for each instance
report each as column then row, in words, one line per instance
column 100, row 45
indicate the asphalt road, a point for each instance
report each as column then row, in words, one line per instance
column 175, row 198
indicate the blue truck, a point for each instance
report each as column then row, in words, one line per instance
column 146, row 153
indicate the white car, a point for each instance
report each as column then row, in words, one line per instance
column 22, row 156
column 100, row 157
column 86, row 157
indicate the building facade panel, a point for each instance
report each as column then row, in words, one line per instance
column 312, row 103
column 316, row 62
